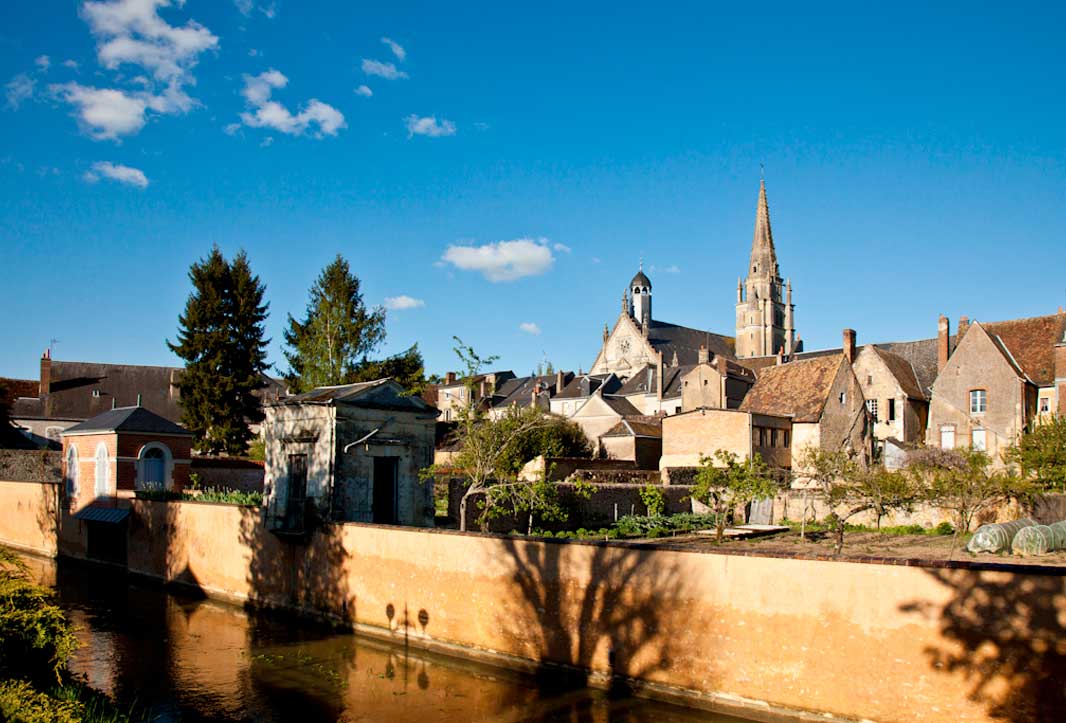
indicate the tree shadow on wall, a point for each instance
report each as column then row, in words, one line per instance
column 1004, row 633
column 592, row 611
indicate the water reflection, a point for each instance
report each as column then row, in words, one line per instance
column 190, row 659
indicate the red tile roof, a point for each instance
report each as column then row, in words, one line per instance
column 798, row 389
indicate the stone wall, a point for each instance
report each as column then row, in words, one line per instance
column 242, row 475
column 855, row 640
column 31, row 465
column 596, row 512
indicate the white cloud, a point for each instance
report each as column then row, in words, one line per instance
column 388, row 71
column 267, row 142
column 530, row 328
column 596, row 260
column 245, row 8
column 19, row 89
column 396, row 48
column 562, row 248
column 43, row 62
column 72, row 64
column 253, row 53
column 364, row 91
column 428, row 126
column 231, row 129
column 267, row 113
column 671, row 269
column 105, row 113
column 132, row 32
column 503, row 260
column 403, row 301
column 117, row 172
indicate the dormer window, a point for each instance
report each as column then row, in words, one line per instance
column 978, row 401
column 96, row 393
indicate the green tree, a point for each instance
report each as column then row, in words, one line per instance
column 556, row 437
column 221, row 340
column 337, row 333
column 963, row 481
column 724, row 481
column 1040, row 453
column 407, row 368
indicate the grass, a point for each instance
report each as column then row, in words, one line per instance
column 209, row 494
column 944, row 528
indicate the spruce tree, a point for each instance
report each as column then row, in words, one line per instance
column 220, row 338
column 338, row 331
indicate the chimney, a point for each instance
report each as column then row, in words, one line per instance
column 449, row 378
column 943, row 341
column 559, row 379
column 483, row 389
column 781, row 354
column 964, row 325
column 659, row 378
column 46, row 374
column 704, row 355
column 849, row 345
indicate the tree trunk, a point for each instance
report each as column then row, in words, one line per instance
column 462, row 511
column 529, row 528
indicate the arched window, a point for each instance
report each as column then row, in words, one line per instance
column 155, row 465
column 72, row 473
column 103, row 471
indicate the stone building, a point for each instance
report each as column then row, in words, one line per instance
column 822, row 398
column 765, row 324
column 637, row 439
column 579, row 389
column 1000, row 377
column 122, row 450
column 349, row 453
column 688, row 436
column 898, row 406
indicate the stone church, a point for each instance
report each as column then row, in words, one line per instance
column 765, row 323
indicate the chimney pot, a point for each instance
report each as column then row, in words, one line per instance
column 449, row 378
column 849, row 345
column 704, row 355
column 943, row 342
column 964, row 326
column 559, row 381
column 45, row 385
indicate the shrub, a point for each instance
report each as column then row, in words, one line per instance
column 654, row 500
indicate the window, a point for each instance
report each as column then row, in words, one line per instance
column 96, row 392
column 843, row 397
column 1045, row 405
column 947, row 438
column 869, row 379
column 892, row 410
column 786, row 435
column 72, row 473
column 978, row 401
column 977, row 439
column 102, row 485
column 154, row 466
column 871, row 407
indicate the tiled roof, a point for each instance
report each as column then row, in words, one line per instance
column 378, row 394
column 582, row 386
column 519, row 392
column 621, row 406
column 922, row 356
column 20, row 387
column 1032, row 343
column 640, row 426
column 797, row 389
column 128, row 419
column 903, row 372
column 331, row 394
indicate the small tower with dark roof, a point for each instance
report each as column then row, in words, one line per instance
column 640, row 288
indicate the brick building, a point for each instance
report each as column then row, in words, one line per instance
column 122, row 450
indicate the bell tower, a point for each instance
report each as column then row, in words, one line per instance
column 764, row 303
column 640, row 290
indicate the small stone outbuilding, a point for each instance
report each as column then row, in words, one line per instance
column 349, row 453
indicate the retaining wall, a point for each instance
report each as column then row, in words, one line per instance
column 887, row 642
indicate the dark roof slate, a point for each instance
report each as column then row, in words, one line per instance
column 668, row 339
column 128, row 419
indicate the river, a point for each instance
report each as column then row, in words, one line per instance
column 183, row 658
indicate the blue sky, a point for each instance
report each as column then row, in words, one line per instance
column 915, row 164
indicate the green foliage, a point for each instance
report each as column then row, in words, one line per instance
column 406, row 368
column 35, row 638
column 257, row 449
column 229, row 497
column 556, row 437
column 661, row 525
column 220, row 339
column 337, row 333
column 1040, row 453
column 963, row 481
column 20, row 702
column 653, row 498
column 724, row 481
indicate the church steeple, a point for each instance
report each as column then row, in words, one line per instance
column 763, row 255
column 764, row 318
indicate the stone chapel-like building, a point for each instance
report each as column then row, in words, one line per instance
column 765, row 324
